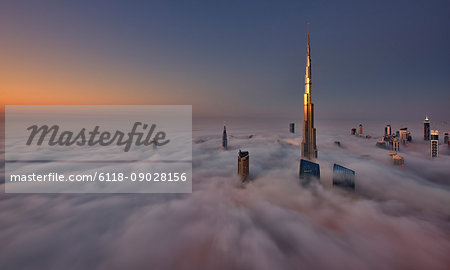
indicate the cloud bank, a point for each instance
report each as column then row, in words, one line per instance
column 398, row 219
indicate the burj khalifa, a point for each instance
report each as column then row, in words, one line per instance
column 309, row 147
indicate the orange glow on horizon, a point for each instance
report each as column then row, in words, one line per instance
column 32, row 74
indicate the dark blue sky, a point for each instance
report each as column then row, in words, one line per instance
column 370, row 59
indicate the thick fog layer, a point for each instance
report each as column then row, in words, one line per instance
column 398, row 218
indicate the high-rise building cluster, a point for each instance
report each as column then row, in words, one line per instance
column 392, row 141
column 403, row 136
column 360, row 132
column 309, row 170
column 342, row 176
column 243, row 157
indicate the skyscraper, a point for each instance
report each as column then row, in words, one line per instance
column 243, row 165
column 426, row 129
column 308, row 171
column 387, row 131
column 309, row 147
column 343, row 177
column 292, row 127
column 395, row 145
column 408, row 136
column 434, row 144
column 224, row 138
column 403, row 135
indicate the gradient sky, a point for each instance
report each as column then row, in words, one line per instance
column 370, row 59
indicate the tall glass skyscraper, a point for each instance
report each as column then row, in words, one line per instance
column 308, row 171
column 426, row 129
column 343, row 177
column 434, row 143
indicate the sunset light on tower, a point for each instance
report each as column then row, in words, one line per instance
column 309, row 147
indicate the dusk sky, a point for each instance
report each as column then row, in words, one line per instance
column 226, row 182
column 370, row 59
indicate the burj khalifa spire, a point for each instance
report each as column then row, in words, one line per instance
column 309, row 147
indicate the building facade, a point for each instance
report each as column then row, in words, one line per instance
column 426, row 129
column 343, row 177
column 434, row 143
column 387, row 131
column 308, row 171
column 360, row 129
column 243, row 165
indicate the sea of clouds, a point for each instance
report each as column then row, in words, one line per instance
column 398, row 218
